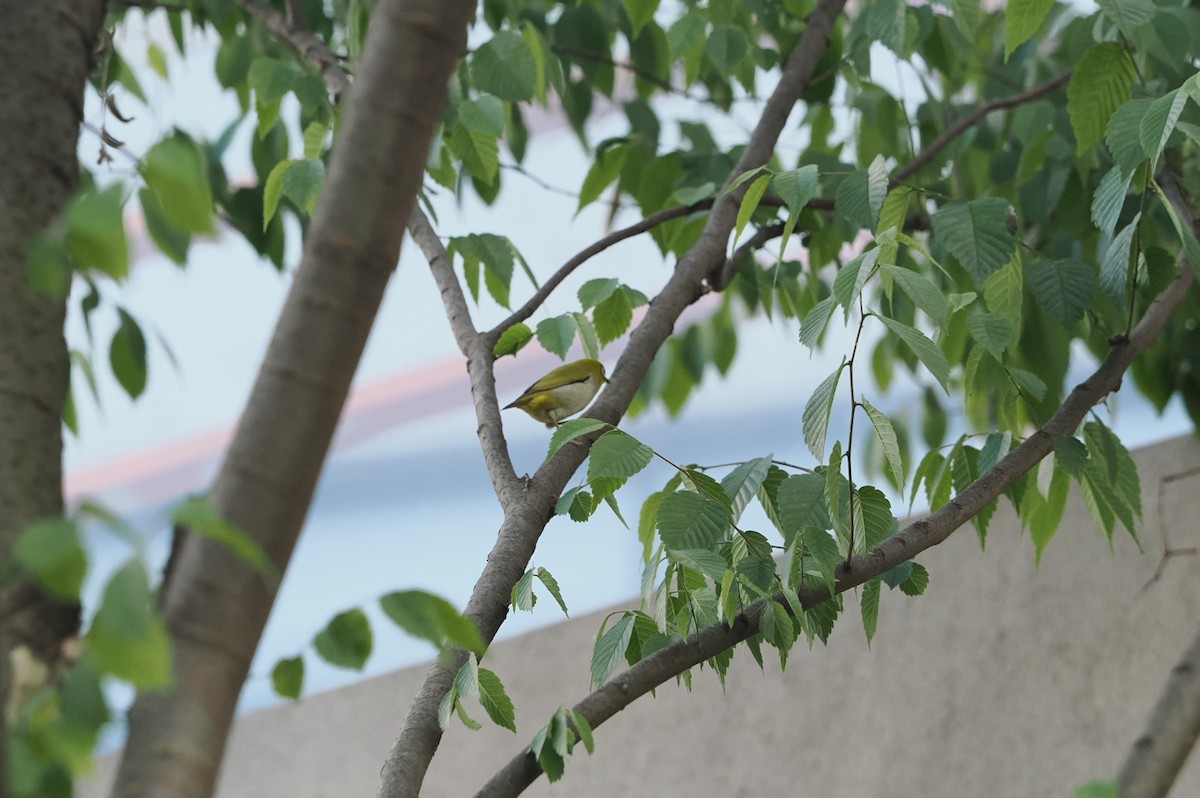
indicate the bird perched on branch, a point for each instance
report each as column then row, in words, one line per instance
column 563, row 392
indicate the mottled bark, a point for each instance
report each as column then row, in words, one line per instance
column 45, row 55
column 216, row 605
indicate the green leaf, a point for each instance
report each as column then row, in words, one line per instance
column 977, row 234
column 743, row 483
column 1022, row 18
column 552, row 586
column 169, row 239
column 588, row 337
column 814, row 322
column 613, row 316
column 287, row 677
column 127, row 355
column 522, row 596
column 924, row 293
column 817, row 411
column 1097, row 789
column 704, row 561
column 495, row 700
column 859, row 197
column 570, row 430
column 991, row 331
column 617, row 454
column 512, row 340
column 870, row 609
column 606, row 168
column 1128, row 15
column 593, row 292
column 175, row 171
column 127, row 637
column 1109, row 199
column 917, row 581
column 198, row 515
column 556, row 334
column 1071, row 455
column 478, row 150
column 52, row 552
column 1190, row 246
column 495, row 253
column 851, row 278
column 1044, row 521
column 795, row 187
column 271, row 79
column 1114, row 266
column 1159, row 122
column 640, row 13
column 505, row 67
column 610, row 649
column 273, row 191
column 689, row 520
column 925, row 350
column 346, row 640
column 302, row 183
column 749, row 204
column 584, row 730
column 1123, row 134
column 429, row 617
column 96, row 231
column 1065, row 288
column 1102, row 82
column 889, row 441
column 725, row 47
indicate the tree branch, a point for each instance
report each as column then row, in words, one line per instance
column 658, row 668
column 649, row 223
column 479, row 359
column 404, row 770
column 1158, row 754
column 305, row 43
column 925, row 156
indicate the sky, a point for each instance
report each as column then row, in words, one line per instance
column 405, row 501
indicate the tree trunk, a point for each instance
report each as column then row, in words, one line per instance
column 46, row 52
column 215, row 604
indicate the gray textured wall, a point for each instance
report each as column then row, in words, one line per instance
column 1003, row 680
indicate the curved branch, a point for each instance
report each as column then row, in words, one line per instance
column 479, row 358
column 673, row 660
column 1171, row 731
column 649, row 223
column 404, row 770
column 925, row 156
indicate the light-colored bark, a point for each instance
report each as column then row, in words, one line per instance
column 46, row 53
column 215, row 604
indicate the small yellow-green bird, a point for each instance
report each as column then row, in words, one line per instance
column 563, row 392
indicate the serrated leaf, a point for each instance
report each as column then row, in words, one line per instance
column 817, row 411
column 991, row 331
column 749, row 204
column 1101, row 83
column 613, row 316
column 689, row 520
column 1071, row 455
column 870, row 609
column 556, row 334
column 796, row 187
column 1159, row 122
column 568, row 431
column 431, row 618
column 522, row 597
column 917, row 581
column 302, row 183
column 814, row 322
column 588, row 337
column 551, row 584
column 887, row 439
column 505, row 67
column 743, row 483
column 977, row 234
column 617, row 454
column 512, row 340
column 610, row 649
column 495, row 700
column 924, row 293
column 925, row 350
column 603, row 171
column 1109, row 199
column 1128, row 15
column 1022, row 18
column 1123, row 134
column 1114, row 266
column 860, row 195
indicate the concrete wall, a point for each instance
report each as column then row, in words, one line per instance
column 1003, row 680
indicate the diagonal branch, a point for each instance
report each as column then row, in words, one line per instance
column 478, row 350
column 1158, row 754
column 673, row 660
column 304, row 42
column 405, row 767
column 925, row 156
